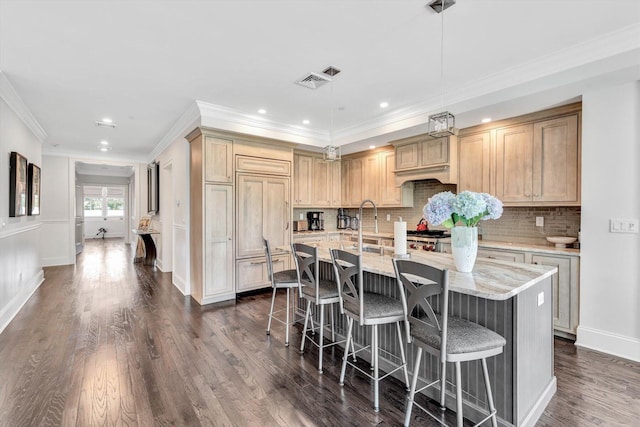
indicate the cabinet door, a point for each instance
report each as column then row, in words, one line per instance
column 390, row 195
column 435, row 151
column 407, row 156
column 501, row 255
column 263, row 210
column 345, row 178
column 514, row 149
column 474, row 163
column 555, row 160
column 565, row 299
column 253, row 274
column 356, row 180
column 302, row 180
column 336, row 188
column 218, row 246
column 371, row 179
column 218, row 166
column 321, row 188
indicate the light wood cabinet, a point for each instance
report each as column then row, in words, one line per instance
column 407, row 156
column 253, row 274
column 565, row 291
column 336, row 181
column 423, row 157
column 532, row 160
column 513, row 256
column 218, row 162
column 434, row 152
column 372, row 177
column 218, row 244
column 263, row 209
column 302, row 180
column 474, row 163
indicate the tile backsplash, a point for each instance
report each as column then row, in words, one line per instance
column 517, row 224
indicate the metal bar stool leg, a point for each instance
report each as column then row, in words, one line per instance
column 404, row 359
column 414, row 383
column 286, row 339
column 346, row 349
column 459, row 418
column 333, row 329
column 376, row 376
column 304, row 330
column 321, row 347
column 443, row 385
column 273, row 301
column 487, row 385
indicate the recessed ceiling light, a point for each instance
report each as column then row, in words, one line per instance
column 486, row 120
column 107, row 120
column 372, row 146
column 104, row 142
column 262, row 111
column 305, row 122
column 384, row 104
column 104, row 148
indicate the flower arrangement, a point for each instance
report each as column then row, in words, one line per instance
column 468, row 208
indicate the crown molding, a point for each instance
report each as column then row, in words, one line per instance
column 13, row 100
column 185, row 124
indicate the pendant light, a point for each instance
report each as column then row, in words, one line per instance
column 441, row 124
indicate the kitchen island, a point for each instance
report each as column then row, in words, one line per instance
column 513, row 299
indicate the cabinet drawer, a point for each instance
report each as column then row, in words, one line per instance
column 501, row 255
column 268, row 166
column 252, row 273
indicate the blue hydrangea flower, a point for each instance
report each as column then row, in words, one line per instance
column 439, row 208
column 494, row 207
column 468, row 208
column 469, row 205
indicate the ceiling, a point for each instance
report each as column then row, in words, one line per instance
column 146, row 63
column 102, row 170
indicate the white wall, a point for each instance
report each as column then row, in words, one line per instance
column 610, row 263
column 20, row 266
column 56, row 246
column 174, row 213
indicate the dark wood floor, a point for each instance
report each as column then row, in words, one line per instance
column 114, row 343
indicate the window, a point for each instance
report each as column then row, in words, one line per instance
column 103, row 201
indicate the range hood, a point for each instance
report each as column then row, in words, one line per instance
column 422, row 157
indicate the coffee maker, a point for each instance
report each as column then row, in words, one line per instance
column 343, row 219
column 315, row 220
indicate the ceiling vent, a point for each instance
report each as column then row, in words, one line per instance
column 313, row 81
column 331, row 71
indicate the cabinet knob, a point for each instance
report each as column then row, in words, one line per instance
column 536, row 195
column 527, row 194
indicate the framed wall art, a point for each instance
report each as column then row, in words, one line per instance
column 153, row 188
column 17, row 184
column 33, row 207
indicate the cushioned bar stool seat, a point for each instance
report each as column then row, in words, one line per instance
column 368, row 309
column 449, row 338
column 286, row 279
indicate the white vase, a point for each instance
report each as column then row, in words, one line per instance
column 464, row 247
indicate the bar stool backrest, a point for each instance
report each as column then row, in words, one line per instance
column 347, row 268
column 267, row 252
column 420, row 282
column 307, row 267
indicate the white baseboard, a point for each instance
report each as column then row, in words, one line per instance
column 58, row 260
column 15, row 305
column 179, row 283
column 608, row 342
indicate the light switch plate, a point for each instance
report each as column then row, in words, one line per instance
column 388, row 217
column 539, row 221
column 301, row 216
column 620, row 225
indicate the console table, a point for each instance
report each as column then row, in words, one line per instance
column 149, row 247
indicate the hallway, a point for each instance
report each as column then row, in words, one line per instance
column 114, row 343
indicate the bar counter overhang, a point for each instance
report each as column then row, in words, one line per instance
column 502, row 296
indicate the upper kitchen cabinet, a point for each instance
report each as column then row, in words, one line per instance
column 316, row 182
column 423, row 157
column 371, row 176
column 532, row 160
column 474, row 163
column 218, row 160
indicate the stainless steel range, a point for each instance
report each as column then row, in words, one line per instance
column 429, row 240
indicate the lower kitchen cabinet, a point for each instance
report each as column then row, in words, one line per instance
column 252, row 273
column 512, row 256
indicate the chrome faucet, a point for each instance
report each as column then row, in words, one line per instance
column 375, row 219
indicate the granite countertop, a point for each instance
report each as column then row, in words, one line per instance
column 528, row 247
column 490, row 279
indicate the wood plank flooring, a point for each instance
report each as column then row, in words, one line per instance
column 114, row 343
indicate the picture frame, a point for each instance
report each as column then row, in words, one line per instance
column 153, row 188
column 33, row 187
column 17, row 184
column 144, row 224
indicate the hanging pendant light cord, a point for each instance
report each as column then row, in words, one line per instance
column 442, row 55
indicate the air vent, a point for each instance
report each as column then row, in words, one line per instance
column 105, row 124
column 313, row 81
column 331, row 71
column 440, row 5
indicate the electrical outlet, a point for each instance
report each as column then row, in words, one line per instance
column 301, row 216
column 388, row 217
column 540, row 299
column 539, row 221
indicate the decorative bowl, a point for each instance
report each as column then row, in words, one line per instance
column 561, row 241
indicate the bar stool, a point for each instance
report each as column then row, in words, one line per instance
column 367, row 308
column 318, row 291
column 286, row 279
column 449, row 338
